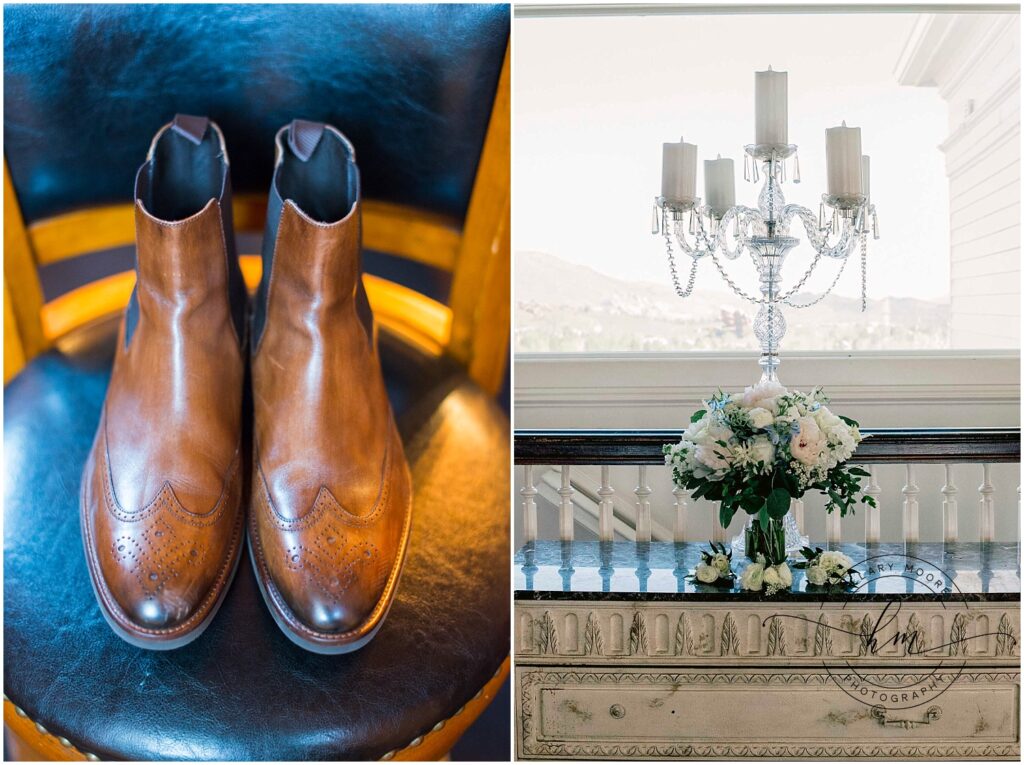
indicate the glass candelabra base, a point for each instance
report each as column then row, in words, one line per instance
column 793, row 538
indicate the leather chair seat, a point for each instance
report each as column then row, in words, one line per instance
column 243, row 690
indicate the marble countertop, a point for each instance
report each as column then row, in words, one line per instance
column 553, row 570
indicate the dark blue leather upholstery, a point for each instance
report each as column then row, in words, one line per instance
column 85, row 88
column 243, row 690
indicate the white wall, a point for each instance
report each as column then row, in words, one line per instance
column 974, row 62
column 952, row 389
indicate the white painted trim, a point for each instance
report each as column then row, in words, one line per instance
column 881, row 388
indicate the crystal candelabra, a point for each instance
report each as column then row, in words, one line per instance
column 702, row 232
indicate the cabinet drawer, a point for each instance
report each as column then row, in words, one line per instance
column 743, row 713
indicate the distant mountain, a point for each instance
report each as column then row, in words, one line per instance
column 562, row 306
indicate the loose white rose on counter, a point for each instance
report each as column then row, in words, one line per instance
column 707, row 574
column 828, row 567
column 834, row 560
column 752, row 577
column 816, row 575
column 721, row 562
column 785, row 575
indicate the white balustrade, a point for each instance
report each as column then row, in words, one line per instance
column 683, row 500
column 987, row 513
column 565, row 492
column 950, row 531
column 911, row 528
column 529, row 492
column 643, row 506
column 605, row 508
column 681, row 495
column 872, row 515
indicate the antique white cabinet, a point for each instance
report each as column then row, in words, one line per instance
column 619, row 656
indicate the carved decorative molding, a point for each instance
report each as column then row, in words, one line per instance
column 730, row 637
column 785, row 632
column 530, row 678
column 822, row 637
column 592, row 643
column 1006, row 637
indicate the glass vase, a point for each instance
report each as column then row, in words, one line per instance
column 794, row 540
column 769, row 541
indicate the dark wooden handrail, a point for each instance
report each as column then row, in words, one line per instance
column 643, row 447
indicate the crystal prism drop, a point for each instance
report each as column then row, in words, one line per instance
column 756, row 174
column 796, row 168
column 693, row 228
column 821, row 216
column 746, row 167
column 655, row 222
column 874, row 225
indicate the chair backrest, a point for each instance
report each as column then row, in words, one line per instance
column 422, row 91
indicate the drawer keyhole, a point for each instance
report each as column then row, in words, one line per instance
column 617, row 711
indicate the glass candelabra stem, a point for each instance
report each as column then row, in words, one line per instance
column 769, row 324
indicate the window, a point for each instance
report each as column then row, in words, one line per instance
column 937, row 98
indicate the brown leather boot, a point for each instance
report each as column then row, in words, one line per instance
column 161, row 492
column 331, row 494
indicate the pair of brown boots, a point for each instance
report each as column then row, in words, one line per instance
column 330, row 495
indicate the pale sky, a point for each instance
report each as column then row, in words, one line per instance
column 594, row 99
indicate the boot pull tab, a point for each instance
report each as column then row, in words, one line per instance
column 303, row 137
column 190, row 127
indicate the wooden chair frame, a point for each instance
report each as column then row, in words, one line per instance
column 473, row 328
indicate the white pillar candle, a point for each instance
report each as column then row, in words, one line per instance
column 771, row 107
column 865, row 177
column 679, row 171
column 843, row 159
column 719, row 185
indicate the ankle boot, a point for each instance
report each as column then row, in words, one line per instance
column 161, row 492
column 331, row 493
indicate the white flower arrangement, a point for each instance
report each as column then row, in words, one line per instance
column 762, row 575
column 827, row 568
column 762, row 448
column 715, row 567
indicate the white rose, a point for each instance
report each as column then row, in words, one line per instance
column 816, row 575
column 772, row 578
column 763, row 395
column 785, row 574
column 806, row 444
column 834, row 561
column 752, row 577
column 706, row 574
column 722, row 563
column 715, row 457
column 761, row 449
column 760, row 417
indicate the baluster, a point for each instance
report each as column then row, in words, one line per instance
column 565, row 525
column 910, row 507
column 872, row 516
column 529, row 491
column 987, row 516
column 949, row 492
column 681, row 505
column 796, row 507
column 605, row 507
column 643, row 506
column 833, row 529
